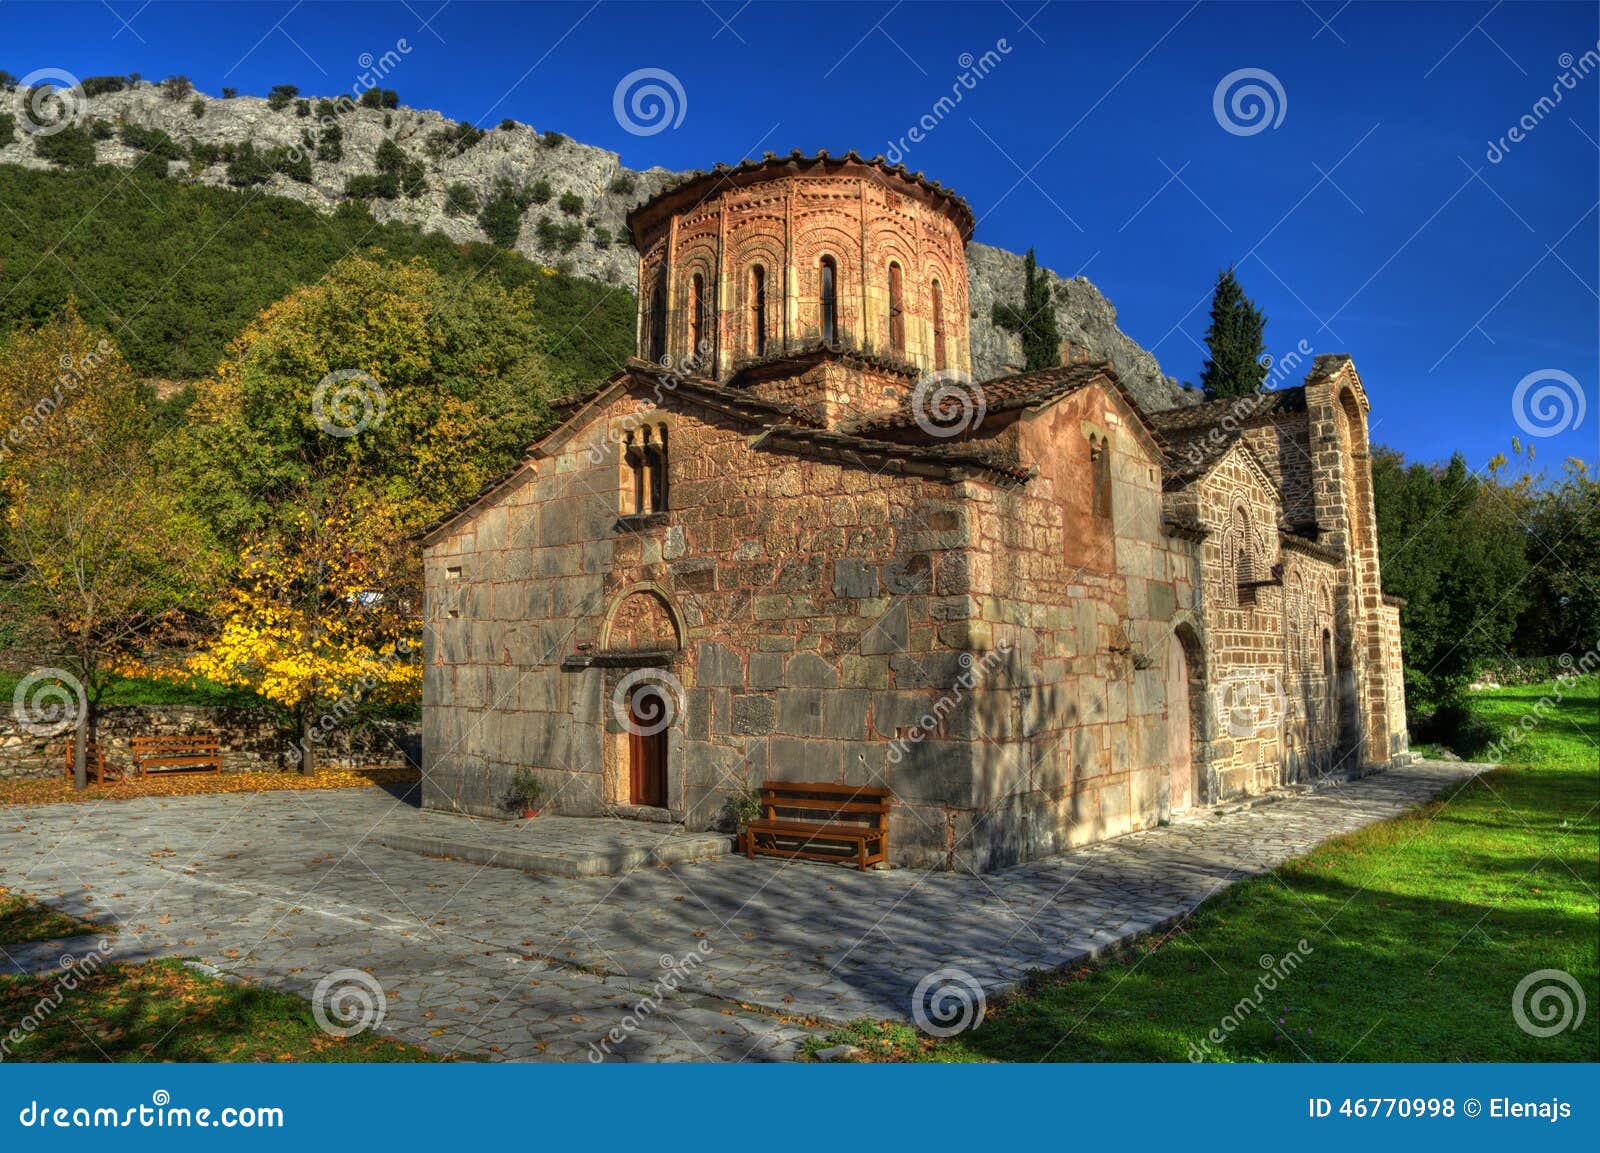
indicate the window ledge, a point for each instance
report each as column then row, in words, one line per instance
column 634, row 522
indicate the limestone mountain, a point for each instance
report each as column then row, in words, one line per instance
column 566, row 200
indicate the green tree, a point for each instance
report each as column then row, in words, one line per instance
column 1035, row 320
column 1563, row 546
column 385, row 378
column 1236, row 364
column 94, row 543
column 1451, row 545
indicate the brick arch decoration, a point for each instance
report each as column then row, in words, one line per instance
column 748, row 249
column 642, row 619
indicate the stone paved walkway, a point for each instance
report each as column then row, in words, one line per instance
column 288, row 887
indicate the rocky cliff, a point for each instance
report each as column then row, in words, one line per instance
column 582, row 195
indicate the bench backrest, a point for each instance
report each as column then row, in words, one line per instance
column 825, row 801
column 155, row 748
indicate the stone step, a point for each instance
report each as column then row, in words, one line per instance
column 554, row 846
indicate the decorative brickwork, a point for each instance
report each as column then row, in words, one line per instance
column 1048, row 625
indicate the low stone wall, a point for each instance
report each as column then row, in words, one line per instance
column 251, row 740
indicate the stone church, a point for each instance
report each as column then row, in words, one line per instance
column 793, row 539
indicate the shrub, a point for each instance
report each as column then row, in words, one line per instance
column 247, row 167
column 452, row 140
column 1458, row 726
column 370, row 186
column 552, row 139
column 7, row 80
column 326, row 109
column 151, row 140
column 176, row 87
column 501, row 217
column 558, row 237
column 508, row 124
column 540, row 193
column 292, row 162
column 622, row 184
column 100, row 130
column 281, row 96
column 409, row 175
column 204, row 155
column 380, row 98
column 72, row 147
column 602, row 237
column 302, row 108
column 330, row 145
column 100, row 85
column 8, row 129
column 571, row 203
column 229, row 93
column 460, row 200
column 197, row 108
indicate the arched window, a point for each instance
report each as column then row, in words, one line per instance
column 698, row 313
column 658, row 318
column 938, row 325
column 758, row 310
column 897, row 308
column 1100, row 460
column 1244, row 574
column 829, row 320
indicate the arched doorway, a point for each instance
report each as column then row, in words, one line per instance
column 1185, row 691
column 640, row 644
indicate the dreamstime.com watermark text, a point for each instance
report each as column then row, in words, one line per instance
column 160, row 1113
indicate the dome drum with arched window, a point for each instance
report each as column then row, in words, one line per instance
column 782, row 256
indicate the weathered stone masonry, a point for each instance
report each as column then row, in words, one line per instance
column 1041, row 620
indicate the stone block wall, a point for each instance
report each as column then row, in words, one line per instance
column 251, row 740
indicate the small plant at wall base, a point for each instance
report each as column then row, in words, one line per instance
column 742, row 806
column 525, row 793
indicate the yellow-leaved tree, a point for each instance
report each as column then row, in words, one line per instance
column 322, row 619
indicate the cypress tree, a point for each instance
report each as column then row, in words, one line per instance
column 1035, row 321
column 1236, row 366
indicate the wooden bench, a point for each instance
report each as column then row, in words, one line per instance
column 95, row 766
column 196, row 752
column 820, row 822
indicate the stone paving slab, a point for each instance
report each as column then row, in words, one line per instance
column 288, row 888
column 557, row 846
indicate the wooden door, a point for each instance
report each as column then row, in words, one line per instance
column 647, row 756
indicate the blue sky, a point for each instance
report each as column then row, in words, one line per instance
column 1369, row 218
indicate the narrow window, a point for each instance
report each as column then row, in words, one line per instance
column 656, row 465
column 1243, row 564
column 1100, row 457
column 758, row 310
column 697, row 305
column 633, row 492
column 658, row 319
column 1327, row 655
column 897, row 309
column 938, row 326
column 830, row 301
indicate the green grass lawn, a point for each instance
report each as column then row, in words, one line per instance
column 1418, row 931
